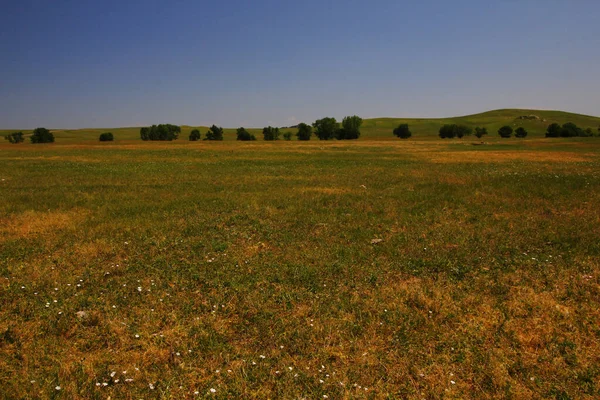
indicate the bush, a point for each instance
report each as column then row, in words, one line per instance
column 588, row 132
column 106, row 137
column 42, row 135
column 451, row 131
column 402, row 131
column 505, row 132
column 287, row 135
column 571, row 130
column 15, row 137
column 270, row 133
column 480, row 132
column 160, row 132
column 553, row 130
column 195, row 135
column 244, row 135
column 326, row 128
column 304, row 131
column 350, row 128
column 520, row 132
column 214, row 133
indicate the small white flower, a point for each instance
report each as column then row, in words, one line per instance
column 58, row 388
column 452, row 382
column 112, row 374
column 212, row 390
column 151, row 386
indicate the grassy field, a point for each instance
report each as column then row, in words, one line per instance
column 423, row 269
column 376, row 128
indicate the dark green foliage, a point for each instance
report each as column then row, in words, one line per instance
column 271, row 133
column 520, row 132
column 571, row 130
column 160, row 132
column 402, row 131
column 287, row 135
column 350, row 128
column 304, row 131
column 106, row 137
column 195, row 135
column 244, row 135
column 16, row 137
column 553, row 130
column 453, row 130
column 588, row 132
column 42, row 135
column 480, row 132
column 505, row 132
column 326, row 128
column 214, row 133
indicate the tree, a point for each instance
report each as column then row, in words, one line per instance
column 588, row 132
column 243, row 134
column 15, row 137
column 326, row 128
column 305, row 131
column 480, row 132
column 505, row 132
column 402, row 131
column 520, row 132
column 214, row 133
column 271, row 133
column 287, row 135
column 453, row 130
column 553, row 130
column 570, row 130
column 42, row 135
column 195, row 135
column 160, row 132
column 350, row 128
column 106, row 137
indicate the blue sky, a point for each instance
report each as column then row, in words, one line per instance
column 78, row 63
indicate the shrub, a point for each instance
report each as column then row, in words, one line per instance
column 402, row 131
column 553, row 130
column 287, row 135
column 106, row 137
column 214, row 133
column 480, row 132
column 588, row 132
column 270, row 133
column 520, row 132
column 42, row 135
column 571, row 130
column 243, row 134
column 505, row 132
column 304, row 131
column 350, row 128
column 195, row 135
column 15, row 137
column 453, row 130
column 326, row 128
column 160, row 132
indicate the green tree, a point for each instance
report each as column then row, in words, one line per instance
column 304, row 131
column 505, row 132
column 402, row 131
column 106, row 137
column 463, row 130
column 42, row 135
column 553, row 130
column 195, row 135
column 326, row 128
column 570, row 130
column 451, row 131
column 160, row 132
column 244, row 135
column 480, row 132
column 214, row 133
column 287, row 135
column 520, row 132
column 15, row 137
column 350, row 128
column 271, row 133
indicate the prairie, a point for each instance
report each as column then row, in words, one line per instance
column 368, row 269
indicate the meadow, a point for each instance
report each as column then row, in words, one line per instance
column 426, row 269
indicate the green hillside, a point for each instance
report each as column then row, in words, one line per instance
column 380, row 128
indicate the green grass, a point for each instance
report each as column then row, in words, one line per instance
column 377, row 128
column 249, row 268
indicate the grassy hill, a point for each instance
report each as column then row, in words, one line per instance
column 381, row 128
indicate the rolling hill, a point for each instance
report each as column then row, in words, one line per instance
column 535, row 121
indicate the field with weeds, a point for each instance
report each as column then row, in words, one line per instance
column 372, row 269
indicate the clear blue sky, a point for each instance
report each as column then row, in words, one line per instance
column 78, row 63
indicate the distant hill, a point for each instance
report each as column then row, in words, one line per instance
column 535, row 121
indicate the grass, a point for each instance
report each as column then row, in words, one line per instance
column 376, row 128
column 247, row 270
